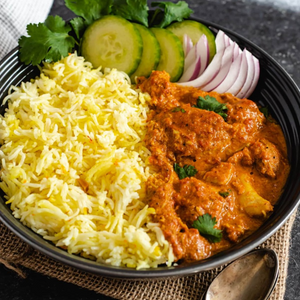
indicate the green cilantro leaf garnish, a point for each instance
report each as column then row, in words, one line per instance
column 205, row 225
column 169, row 12
column 90, row 10
column 133, row 10
column 265, row 111
column 224, row 194
column 186, row 171
column 49, row 40
column 178, row 108
column 79, row 25
column 211, row 104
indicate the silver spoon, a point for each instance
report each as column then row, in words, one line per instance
column 251, row 277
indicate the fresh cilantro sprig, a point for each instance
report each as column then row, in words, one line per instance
column 178, row 108
column 168, row 12
column 205, row 225
column 87, row 11
column 186, row 171
column 46, row 41
column 90, row 10
column 265, row 111
column 225, row 194
column 132, row 10
column 211, row 104
column 79, row 25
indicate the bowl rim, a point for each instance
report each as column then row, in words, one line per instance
column 38, row 243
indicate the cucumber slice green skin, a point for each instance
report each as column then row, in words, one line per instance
column 151, row 53
column 113, row 42
column 172, row 55
column 194, row 30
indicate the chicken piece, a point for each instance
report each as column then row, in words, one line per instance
column 221, row 174
column 266, row 156
column 242, row 156
column 247, row 158
column 263, row 154
column 253, row 204
column 186, row 242
column 245, row 117
column 196, row 132
column 161, row 90
column 235, row 230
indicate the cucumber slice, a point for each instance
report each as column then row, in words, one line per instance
column 194, row 30
column 151, row 53
column 172, row 55
column 113, row 42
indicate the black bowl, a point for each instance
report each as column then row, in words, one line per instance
column 275, row 89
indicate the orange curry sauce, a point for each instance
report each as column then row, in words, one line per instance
column 244, row 156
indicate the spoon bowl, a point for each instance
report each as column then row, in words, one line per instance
column 251, row 277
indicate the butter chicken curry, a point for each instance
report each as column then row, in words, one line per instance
column 220, row 166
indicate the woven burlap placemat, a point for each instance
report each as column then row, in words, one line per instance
column 17, row 255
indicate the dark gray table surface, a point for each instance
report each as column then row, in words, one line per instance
column 274, row 25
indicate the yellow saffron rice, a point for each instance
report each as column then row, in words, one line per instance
column 74, row 164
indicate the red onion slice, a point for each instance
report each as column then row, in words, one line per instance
column 240, row 80
column 203, row 52
column 225, row 67
column 209, row 74
column 250, row 75
column 196, row 60
column 231, row 76
column 237, row 51
column 192, row 72
column 190, row 58
column 189, row 63
column 213, row 68
column 230, row 71
column 227, row 40
column 256, row 77
column 220, row 41
column 187, row 44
